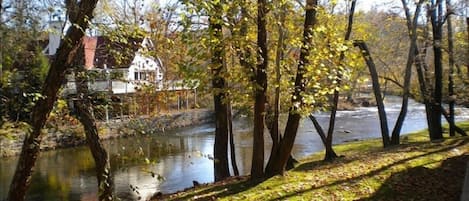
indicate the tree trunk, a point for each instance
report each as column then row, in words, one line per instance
column 257, row 169
column 330, row 153
column 436, row 130
column 55, row 77
column 376, row 90
column 412, row 27
column 101, row 158
column 279, row 158
column 423, row 71
column 278, row 60
column 273, row 113
column 456, row 128
column 451, row 94
column 1, row 41
column 330, row 131
column 419, row 65
column 232, row 144
column 467, row 31
column 83, row 113
column 221, row 167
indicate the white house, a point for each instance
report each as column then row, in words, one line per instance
column 122, row 68
column 130, row 60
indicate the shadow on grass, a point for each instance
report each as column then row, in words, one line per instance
column 452, row 145
column 220, row 190
column 420, row 183
column 223, row 190
column 342, row 160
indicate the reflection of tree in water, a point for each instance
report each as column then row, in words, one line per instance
column 145, row 162
column 50, row 187
column 133, row 152
column 150, row 150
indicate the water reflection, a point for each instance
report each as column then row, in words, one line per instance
column 182, row 156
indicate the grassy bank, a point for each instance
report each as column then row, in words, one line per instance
column 416, row 170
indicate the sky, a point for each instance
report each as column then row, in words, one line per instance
column 366, row 5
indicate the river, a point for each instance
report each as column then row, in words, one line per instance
column 170, row 161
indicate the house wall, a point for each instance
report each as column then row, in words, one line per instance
column 55, row 34
column 145, row 68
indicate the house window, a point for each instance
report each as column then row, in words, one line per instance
column 143, row 76
column 147, row 75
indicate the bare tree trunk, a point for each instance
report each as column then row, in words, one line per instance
column 101, row 158
column 456, row 128
column 412, row 27
column 436, row 130
column 55, row 77
column 280, row 157
column 330, row 153
column 376, row 90
column 83, row 113
column 221, row 167
column 451, row 94
column 425, row 85
column 419, row 65
column 319, row 129
column 257, row 168
column 330, row 131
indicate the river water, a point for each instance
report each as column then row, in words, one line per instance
column 170, row 161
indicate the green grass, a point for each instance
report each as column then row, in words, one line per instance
column 416, row 170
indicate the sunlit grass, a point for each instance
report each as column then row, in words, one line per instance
column 367, row 171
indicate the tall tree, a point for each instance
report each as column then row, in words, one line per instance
column 278, row 159
column 56, row 75
column 330, row 154
column 273, row 113
column 221, row 166
column 437, row 19
column 422, row 71
column 257, row 169
column 376, row 90
column 84, row 107
column 451, row 94
column 412, row 27
column 1, row 41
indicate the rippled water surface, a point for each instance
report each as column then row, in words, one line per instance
column 170, row 161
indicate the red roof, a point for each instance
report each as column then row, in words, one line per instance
column 101, row 51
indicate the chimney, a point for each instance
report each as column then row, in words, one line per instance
column 55, row 34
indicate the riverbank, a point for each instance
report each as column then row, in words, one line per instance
column 64, row 136
column 415, row 170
